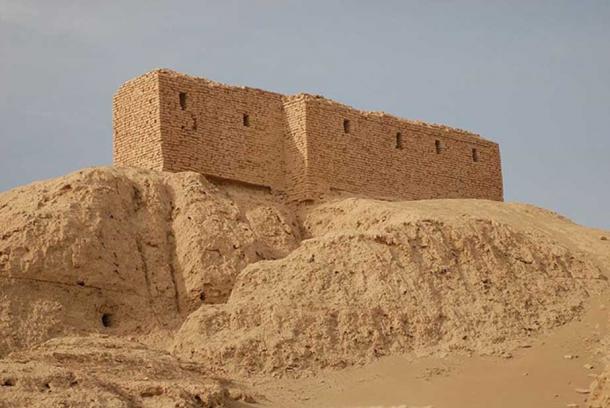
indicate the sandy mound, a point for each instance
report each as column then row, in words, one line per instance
column 600, row 394
column 377, row 278
column 600, row 391
column 225, row 269
column 128, row 249
column 600, row 388
column 107, row 372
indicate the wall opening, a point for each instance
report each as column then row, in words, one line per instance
column 246, row 120
column 8, row 382
column 182, row 97
column 346, row 126
column 107, row 320
column 475, row 155
column 439, row 147
column 399, row 142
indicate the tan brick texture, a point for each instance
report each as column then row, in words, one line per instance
column 303, row 145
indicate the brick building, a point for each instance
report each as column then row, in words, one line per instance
column 302, row 145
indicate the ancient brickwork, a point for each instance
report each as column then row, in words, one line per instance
column 296, row 175
column 229, row 132
column 385, row 156
column 303, row 145
column 136, row 125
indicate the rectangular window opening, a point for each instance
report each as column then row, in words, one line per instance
column 475, row 155
column 399, row 143
column 182, row 97
column 346, row 126
column 439, row 147
column 246, row 120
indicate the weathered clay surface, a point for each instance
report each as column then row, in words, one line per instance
column 108, row 372
column 378, row 278
column 600, row 387
column 235, row 281
column 139, row 249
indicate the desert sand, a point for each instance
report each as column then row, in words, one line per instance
column 125, row 288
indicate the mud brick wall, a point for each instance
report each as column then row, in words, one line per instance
column 304, row 145
column 296, row 155
column 136, row 124
column 229, row 132
column 384, row 156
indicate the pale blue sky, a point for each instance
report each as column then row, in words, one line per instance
column 532, row 75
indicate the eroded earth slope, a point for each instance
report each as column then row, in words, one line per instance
column 207, row 279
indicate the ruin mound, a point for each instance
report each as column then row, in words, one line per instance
column 108, row 372
column 377, row 278
column 125, row 251
column 600, row 387
column 233, row 277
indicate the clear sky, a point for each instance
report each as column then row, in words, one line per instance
column 532, row 75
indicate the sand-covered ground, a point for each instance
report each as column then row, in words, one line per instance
column 125, row 287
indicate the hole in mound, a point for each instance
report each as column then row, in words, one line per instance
column 80, row 283
column 8, row 382
column 202, row 296
column 107, row 320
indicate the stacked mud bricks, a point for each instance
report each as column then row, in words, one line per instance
column 303, row 145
